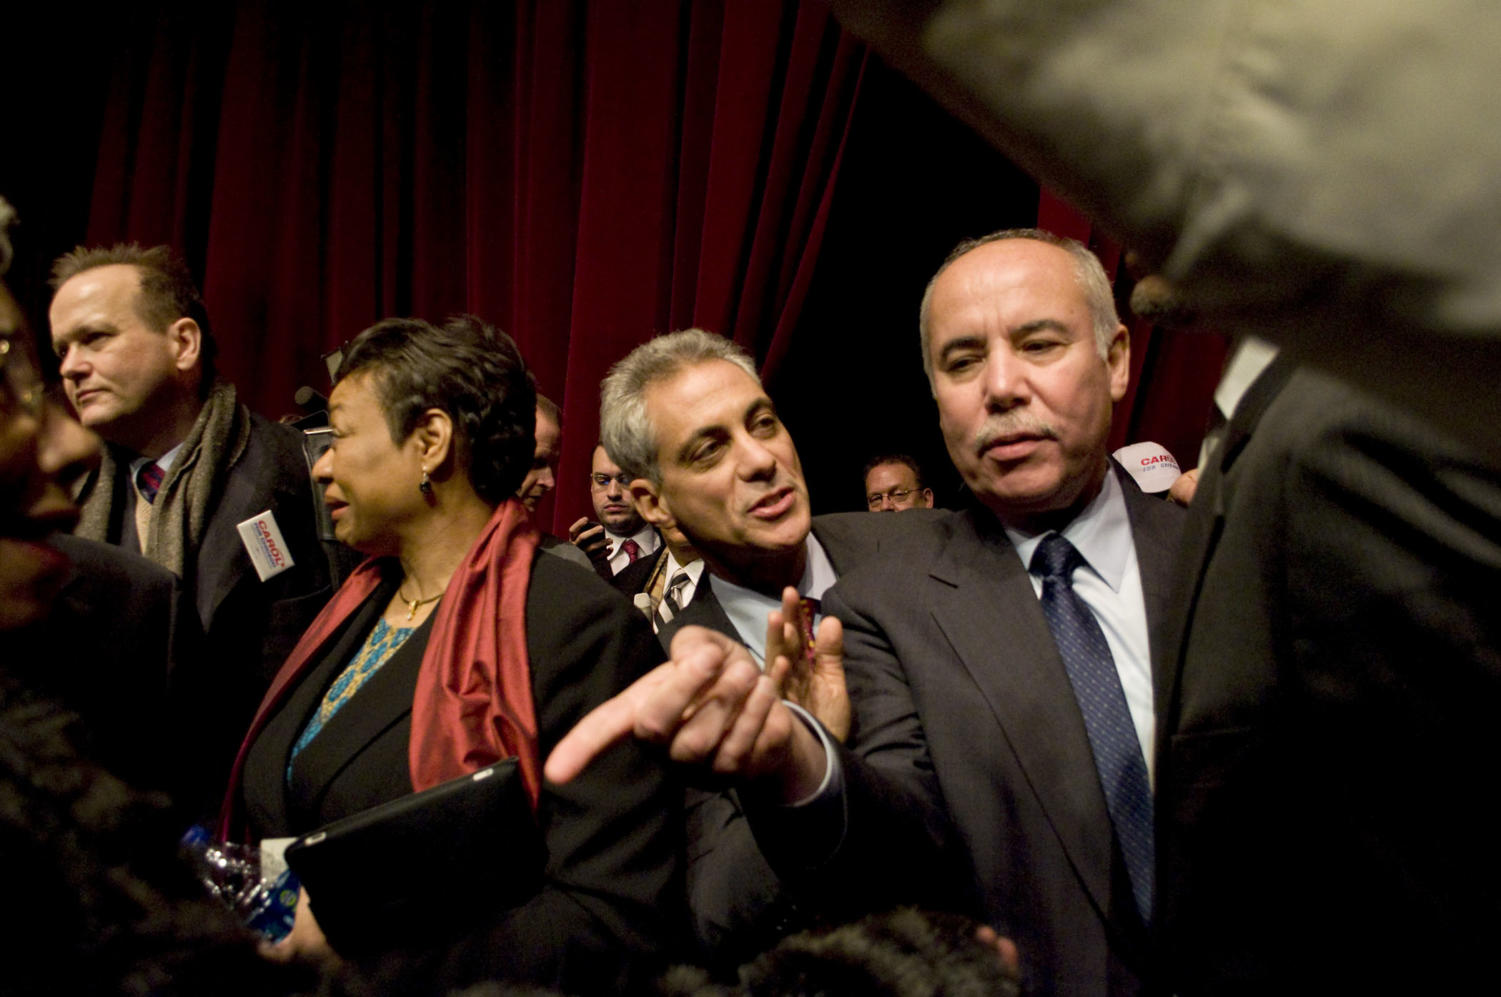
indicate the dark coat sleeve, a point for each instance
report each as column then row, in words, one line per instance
column 758, row 871
column 889, row 805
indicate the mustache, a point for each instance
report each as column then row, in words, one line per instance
column 1000, row 426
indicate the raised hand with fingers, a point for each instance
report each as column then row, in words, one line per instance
column 589, row 537
column 714, row 710
column 812, row 677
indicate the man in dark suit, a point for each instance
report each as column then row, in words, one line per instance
column 685, row 417
column 186, row 465
column 1327, row 694
column 973, row 657
column 966, row 711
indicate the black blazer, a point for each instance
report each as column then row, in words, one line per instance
column 956, row 680
column 249, row 626
column 611, row 900
column 1327, row 704
column 110, row 648
column 738, row 903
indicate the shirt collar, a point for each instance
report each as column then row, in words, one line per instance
column 695, row 569
column 1248, row 359
column 747, row 608
column 646, row 538
column 1101, row 533
column 164, row 462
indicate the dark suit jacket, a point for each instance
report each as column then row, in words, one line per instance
column 847, row 537
column 249, row 626
column 633, row 577
column 636, row 578
column 954, row 674
column 1327, row 754
column 738, row 904
column 108, row 649
column 611, row 896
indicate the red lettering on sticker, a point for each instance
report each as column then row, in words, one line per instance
column 270, row 545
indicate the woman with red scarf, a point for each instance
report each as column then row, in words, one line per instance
column 454, row 645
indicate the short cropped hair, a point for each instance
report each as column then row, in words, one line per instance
column 167, row 291
column 894, row 458
column 467, row 368
column 549, row 408
column 624, row 430
column 1099, row 296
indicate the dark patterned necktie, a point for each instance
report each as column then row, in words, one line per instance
column 1102, row 702
column 671, row 604
column 149, row 480
column 632, row 549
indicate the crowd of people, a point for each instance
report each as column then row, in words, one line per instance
column 1082, row 733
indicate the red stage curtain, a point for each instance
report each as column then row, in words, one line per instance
column 584, row 174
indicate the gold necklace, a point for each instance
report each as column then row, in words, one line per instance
column 414, row 604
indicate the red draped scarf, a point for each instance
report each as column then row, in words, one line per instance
column 473, row 702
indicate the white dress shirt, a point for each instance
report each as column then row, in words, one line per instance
column 747, row 608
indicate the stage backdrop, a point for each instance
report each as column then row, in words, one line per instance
column 583, row 174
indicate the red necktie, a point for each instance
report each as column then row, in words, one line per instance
column 807, row 609
column 149, row 480
column 632, row 549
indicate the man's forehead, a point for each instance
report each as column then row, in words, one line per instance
column 106, row 278
column 893, row 468
column 1008, row 273
column 700, row 395
column 99, row 291
column 603, row 463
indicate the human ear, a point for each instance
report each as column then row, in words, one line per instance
column 650, row 503
column 433, row 437
column 1118, row 361
column 186, row 340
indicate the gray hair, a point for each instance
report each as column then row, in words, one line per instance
column 1089, row 273
column 624, row 430
column 7, row 219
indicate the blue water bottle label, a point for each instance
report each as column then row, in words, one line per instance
column 276, row 913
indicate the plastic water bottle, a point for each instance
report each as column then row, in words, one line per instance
column 232, row 872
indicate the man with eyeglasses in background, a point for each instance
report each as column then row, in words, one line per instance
column 893, row 483
column 618, row 537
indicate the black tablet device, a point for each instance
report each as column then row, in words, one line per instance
column 400, row 869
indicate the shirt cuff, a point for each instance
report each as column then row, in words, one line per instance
column 831, row 787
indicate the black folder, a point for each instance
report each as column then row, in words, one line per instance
column 404, row 869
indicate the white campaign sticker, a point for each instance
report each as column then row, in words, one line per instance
column 264, row 543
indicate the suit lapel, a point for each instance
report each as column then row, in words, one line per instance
column 1206, row 517
column 703, row 611
column 983, row 603
column 1157, row 532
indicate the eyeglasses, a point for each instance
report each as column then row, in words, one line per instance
column 23, row 390
column 602, row 481
column 897, row 496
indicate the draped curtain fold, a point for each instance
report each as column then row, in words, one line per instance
column 585, row 175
